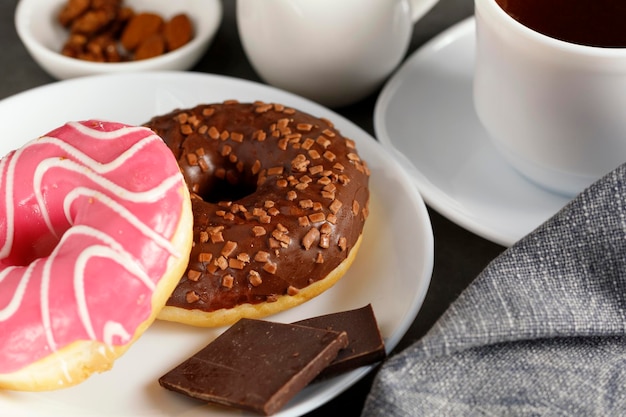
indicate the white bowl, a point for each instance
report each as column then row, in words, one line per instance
column 38, row 28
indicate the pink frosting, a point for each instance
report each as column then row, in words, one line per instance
column 86, row 217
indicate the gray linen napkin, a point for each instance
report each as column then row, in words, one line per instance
column 540, row 332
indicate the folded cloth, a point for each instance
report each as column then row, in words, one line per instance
column 540, row 332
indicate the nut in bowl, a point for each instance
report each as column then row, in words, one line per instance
column 38, row 26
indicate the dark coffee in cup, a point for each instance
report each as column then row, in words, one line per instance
column 599, row 23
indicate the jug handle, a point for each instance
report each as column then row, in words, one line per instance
column 420, row 7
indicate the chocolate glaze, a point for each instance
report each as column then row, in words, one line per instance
column 256, row 365
column 274, row 168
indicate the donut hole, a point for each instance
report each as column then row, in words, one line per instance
column 32, row 243
column 41, row 248
column 223, row 183
column 214, row 178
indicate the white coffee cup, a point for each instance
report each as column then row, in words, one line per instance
column 556, row 110
column 335, row 52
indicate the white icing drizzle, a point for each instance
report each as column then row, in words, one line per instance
column 112, row 329
column 104, row 135
column 101, row 251
column 152, row 195
column 90, row 167
column 44, row 301
column 86, row 160
column 122, row 211
column 18, row 296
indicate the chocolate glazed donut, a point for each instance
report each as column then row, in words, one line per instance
column 279, row 200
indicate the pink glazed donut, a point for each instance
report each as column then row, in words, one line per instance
column 95, row 233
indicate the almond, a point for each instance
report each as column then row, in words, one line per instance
column 177, row 31
column 139, row 28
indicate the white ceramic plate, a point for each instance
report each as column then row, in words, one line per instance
column 392, row 270
column 425, row 115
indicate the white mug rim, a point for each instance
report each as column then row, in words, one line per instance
column 490, row 9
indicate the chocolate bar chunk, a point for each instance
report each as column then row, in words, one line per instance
column 365, row 345
column 256, row 365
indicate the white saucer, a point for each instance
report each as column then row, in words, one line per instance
column 425, row 115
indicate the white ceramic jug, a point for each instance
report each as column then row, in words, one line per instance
column 335, row 52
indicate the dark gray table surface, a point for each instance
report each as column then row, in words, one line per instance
column 459, row 254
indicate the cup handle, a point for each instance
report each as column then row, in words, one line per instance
column 420, row 7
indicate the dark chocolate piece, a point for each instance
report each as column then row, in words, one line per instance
column 365, row 345
column 256, row 365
